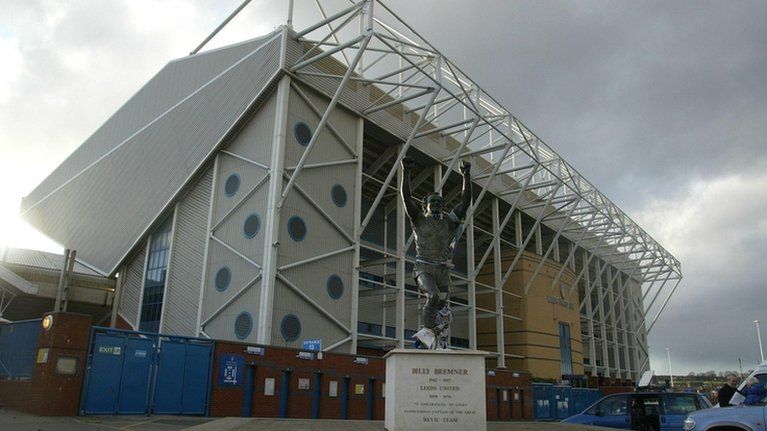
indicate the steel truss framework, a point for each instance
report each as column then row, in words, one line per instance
column 621, row 271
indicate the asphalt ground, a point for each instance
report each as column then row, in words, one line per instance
column 15, row 421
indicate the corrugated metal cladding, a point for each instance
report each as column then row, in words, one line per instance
column 132, row 286
column 305, row 232
column 176, row 80
column 182, row 292
column 103, row 219
column 238, row 217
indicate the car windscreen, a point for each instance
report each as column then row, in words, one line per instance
column 680, row 404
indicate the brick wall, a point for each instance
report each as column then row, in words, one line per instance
column 227, row 400
column 49, row 392
column 509, row 395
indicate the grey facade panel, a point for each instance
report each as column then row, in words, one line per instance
column 103, row 219
column 222, row 327
column 230, row 213
column 313, row 278
column 242, row 274
column 185, row 277
column 132, row 287
column 313, row 323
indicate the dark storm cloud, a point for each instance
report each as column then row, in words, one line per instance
column 635, row 95
column 661, row 105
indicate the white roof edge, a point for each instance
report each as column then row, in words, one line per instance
column 17, row 282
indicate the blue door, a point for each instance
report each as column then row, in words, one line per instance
column 196, row 382
column 542, row 395
column 169, row 385
column 182, row 378
column 103, row 389
column 136, row 371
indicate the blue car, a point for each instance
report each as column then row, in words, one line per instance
column 658, row 411
column 736, row 418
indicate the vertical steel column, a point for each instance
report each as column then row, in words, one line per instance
column 538, row 239
column 117, row 296
column 355, row 295
column 472, row 287
column 272, row 216
column 589, row 315
column 518, row 231
column 400, row 302
column 62, row 277
column 555, row 243
column 571, row 251
column 613, row 321
column 500, row 331
column 602, row 323
column 624, row 326
column 198, row 325
column 634, row 327
column 68, row 279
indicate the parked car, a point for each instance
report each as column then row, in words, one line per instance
column 760, row 373
column 735, row 418
column 660, row 411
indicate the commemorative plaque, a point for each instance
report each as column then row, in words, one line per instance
column 435, row 390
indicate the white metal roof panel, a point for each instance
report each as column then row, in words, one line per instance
column 104, row 197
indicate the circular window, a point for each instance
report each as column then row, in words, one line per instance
column 338, row 194
column 252, row 225
column 290, row 327
column 232, row 184
column 335, row 286
column 297, row 228
column 223, row 278
column 303, row 133
column 243, row 325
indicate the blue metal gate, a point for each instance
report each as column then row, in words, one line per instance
column 18, row 346
column 560, row 402
column 131, row 372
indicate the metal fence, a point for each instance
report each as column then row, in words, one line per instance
column 18, row 345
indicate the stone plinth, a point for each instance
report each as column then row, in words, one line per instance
column 435, row 390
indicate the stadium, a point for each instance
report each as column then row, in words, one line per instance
column 251, row 193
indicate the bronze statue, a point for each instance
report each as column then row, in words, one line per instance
column 435, row 238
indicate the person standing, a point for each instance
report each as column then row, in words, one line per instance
column 726, row 392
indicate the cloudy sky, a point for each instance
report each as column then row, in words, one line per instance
column 661, row 105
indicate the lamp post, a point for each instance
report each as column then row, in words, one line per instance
column 759, row 338
column 671, row 375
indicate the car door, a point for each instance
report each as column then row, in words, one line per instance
column 613, row 412
column 676, row 407
column 648, row 410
